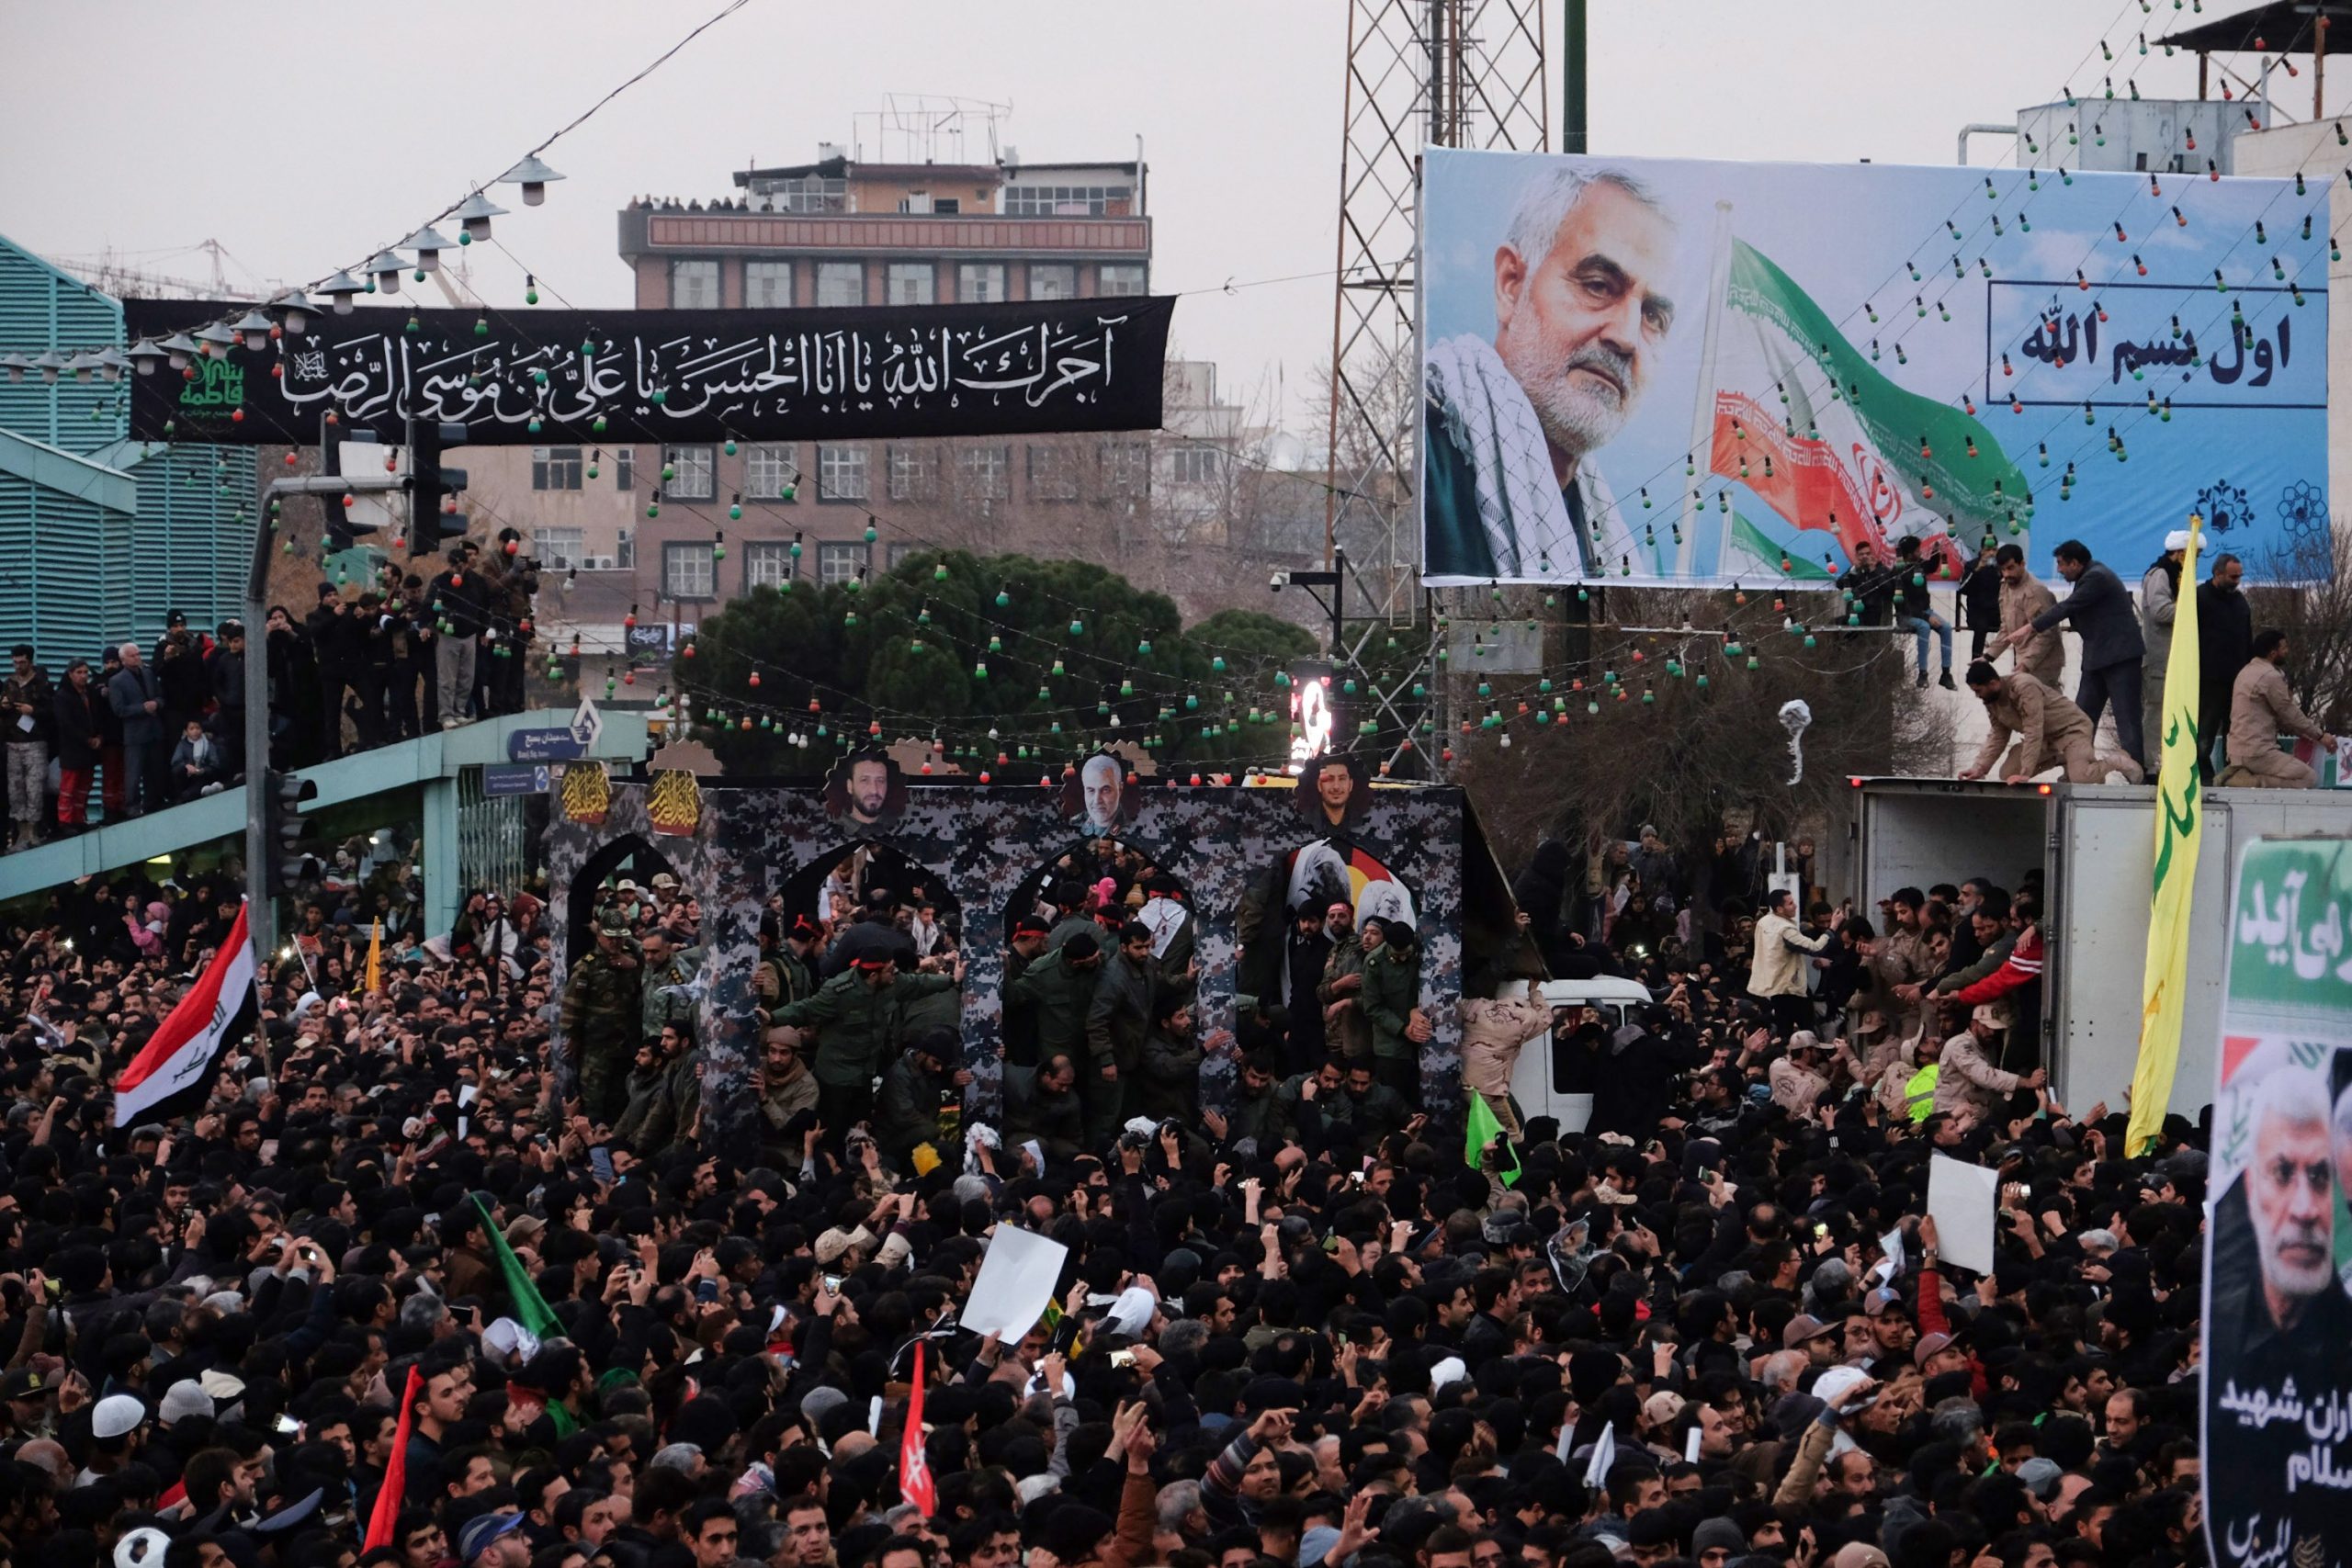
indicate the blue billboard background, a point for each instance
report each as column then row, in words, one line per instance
column 2059, row 309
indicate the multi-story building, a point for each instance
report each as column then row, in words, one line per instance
column 101, row 537
column 840, row 232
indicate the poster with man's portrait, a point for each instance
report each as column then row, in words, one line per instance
column 1673, row 373
column 2277, row 1363
column 1100, row 796
column 1334, row 793
column 866, row 789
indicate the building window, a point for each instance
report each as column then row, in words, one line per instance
column 1123, row 278
column 558, row 547
column 690, row 476
column 841, row 283
column 556, row 467
column 688, row 571
column 947, row 203
column 1127, row 468
column 767, row 285
column 767, row 563
column 984, row 473
column 768, row 467
column 625, row 549
column 1053, row 280
column 901, row 554
column 914, row 473
column 912, row 283
column 1195, row 465
column 1053, row 473
column 625, row 468
column 838, row 563
column 1064, row 201
column 693, row 285
column 841, row 473
column 806, row 194
column 980, row 283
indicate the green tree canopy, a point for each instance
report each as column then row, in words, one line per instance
column 989, row 654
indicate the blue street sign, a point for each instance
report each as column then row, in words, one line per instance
column 516, row 778
column 545, row 746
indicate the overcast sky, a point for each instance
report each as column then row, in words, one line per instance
column 303, row 137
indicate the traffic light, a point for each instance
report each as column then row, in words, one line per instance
column 283, row 796
column 433, row 518
column 339, row 520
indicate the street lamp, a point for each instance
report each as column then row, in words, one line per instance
column 429, row 246
column 342, row 288
column 297, row 308
column 386, row 269
column 475, row 214
column 533, row 176
column 254, row 327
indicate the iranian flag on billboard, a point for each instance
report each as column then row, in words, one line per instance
column 1805, row 421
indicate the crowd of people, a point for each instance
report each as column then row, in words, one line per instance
column 361, row 667
column 1302, row 1323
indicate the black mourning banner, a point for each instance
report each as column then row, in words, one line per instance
column 533, row 377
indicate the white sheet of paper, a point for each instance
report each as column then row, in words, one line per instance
column 1017, row 1277
column 24, row 722
column 1604, row 1454
column 1892, row 1244
column 1961, row 1199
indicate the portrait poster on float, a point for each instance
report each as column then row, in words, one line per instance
column 1674, row 373
column 2278, row 1389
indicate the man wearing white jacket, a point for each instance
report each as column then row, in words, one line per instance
column 1778, row 974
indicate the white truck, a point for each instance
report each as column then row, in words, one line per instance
column 2095, row 846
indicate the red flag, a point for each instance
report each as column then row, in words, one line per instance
column 388, row 1501
column 914, row 1470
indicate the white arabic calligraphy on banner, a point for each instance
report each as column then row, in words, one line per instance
column 683, row 376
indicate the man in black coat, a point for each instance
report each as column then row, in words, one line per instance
column 2100, row 607
column 336, row 644
column 227, row 669
column 2224, row 643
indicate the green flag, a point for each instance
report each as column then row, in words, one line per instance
column 531, row 1309
column 1484, row 1130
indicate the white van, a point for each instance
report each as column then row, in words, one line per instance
column 1538, row 1084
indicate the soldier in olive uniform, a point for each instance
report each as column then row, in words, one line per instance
column 1058, row 989
column 786, row 971
column 603, row 1008
column 859, row 1016
column 669, row 975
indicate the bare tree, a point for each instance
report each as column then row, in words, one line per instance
column 1687, row 736
column 2311, row 600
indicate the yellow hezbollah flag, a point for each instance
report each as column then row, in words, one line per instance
column 376, row 956
column 2180, row 823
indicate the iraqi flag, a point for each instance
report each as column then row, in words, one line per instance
column 1834, row 448
column 180, row 1055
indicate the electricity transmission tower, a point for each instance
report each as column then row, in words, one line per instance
column 1419, row 73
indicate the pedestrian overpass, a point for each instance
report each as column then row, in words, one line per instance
column 434, row 764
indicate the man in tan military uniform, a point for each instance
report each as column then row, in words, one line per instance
column 2039, row 654
column 2050, row 731
column 2261, row 710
